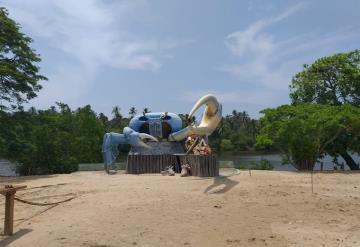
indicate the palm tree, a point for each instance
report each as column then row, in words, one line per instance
column 116, row 112
column 132, row 112
column 245, row 119
column 103, row 118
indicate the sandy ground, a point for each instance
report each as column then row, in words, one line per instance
column 265, row 209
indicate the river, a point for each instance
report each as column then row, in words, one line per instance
column 246, row 160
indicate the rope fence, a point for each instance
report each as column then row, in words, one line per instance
column 42, row 204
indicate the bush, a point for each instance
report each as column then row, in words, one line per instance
column 51, row 141
column 263, row 164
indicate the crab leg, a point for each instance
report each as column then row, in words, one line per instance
column 112, row 140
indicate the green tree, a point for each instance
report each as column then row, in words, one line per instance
column 332, row 80
column 51, row 141
column 116, row 112
column 305, row 132
column 104, row 119
column 117, row 120
column 226, row 145
column 19, row 74
column 238, row 128
column 132, row 112
column 88, row 135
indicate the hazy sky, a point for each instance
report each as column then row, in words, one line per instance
column 165, row 54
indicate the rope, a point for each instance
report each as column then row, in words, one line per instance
column 42, row 204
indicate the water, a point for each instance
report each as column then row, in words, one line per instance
column 276, row 161
column 238, row 160
column 7, row 168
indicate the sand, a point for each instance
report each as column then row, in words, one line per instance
column 268, row 208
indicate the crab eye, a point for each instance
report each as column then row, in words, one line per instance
column 166, row 117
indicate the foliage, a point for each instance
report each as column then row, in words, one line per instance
column 305, row 132
column 226, row 145
column 19, row 75
column 332, row 80
column 51, row 141
column 263, row 164
column 236, row 132
column 132, row 112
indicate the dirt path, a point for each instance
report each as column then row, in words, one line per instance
column 265, row 209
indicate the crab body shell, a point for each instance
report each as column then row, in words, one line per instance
column 157, row 124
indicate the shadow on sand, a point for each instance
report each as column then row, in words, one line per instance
column 220, row 185
column 6, row 240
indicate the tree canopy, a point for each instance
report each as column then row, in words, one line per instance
column 19, row 74
column 332, row 80
column 132, row 112
column 236, row 132
column 306, row 132
column 51, row 141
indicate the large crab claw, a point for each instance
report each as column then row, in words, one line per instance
column 137, row 139
column 210, row 120
column 129, row 136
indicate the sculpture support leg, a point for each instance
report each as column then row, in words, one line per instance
column 112, row 140
column 109, row 148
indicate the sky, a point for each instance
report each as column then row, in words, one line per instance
column 165, row 54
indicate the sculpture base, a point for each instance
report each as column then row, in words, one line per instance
column 200, row 165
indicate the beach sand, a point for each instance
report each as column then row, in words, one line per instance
column 268, row 208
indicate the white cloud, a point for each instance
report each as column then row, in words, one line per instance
column 87, row 35
column 268, row 63
column 257, row 51
column 91, row 32
column 252, row 39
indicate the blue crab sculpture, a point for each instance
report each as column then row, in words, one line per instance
column 157, row 126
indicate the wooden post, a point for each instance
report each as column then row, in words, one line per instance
column 9, row 193
column 9, row 213
column 312, row 182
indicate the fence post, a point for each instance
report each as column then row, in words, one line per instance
column 9, row 193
